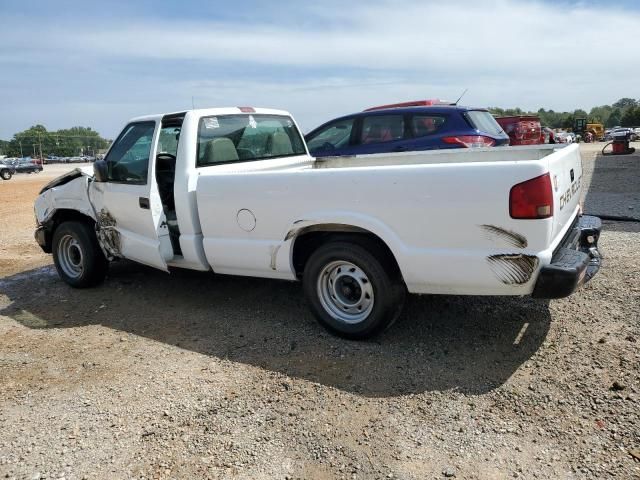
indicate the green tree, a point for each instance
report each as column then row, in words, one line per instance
column 64, row 143
column 625, row 103
column 600, row 114
column 567, row 121
column 623, row 112
column 631, row 117
column 614, row 118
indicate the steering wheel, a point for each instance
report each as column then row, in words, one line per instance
column 327, row 146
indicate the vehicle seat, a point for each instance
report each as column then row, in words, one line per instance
column 279, row 144
column 377, row 134
column 219, row 150
column 425, row 127
column 165, row 176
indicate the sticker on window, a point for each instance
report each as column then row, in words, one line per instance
column 211, row 122
column 252, row 122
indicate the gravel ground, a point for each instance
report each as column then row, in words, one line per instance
column 614, row 184
column 201, row 376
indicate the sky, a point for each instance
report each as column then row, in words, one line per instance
column 82, row 63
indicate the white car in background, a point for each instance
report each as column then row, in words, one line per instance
column 621, row 131
column 565, row 137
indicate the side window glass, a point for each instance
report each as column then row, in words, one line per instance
column 382, row 128
column 128, row 159
column 334, row 136
column 424, row 125
column 168, row 141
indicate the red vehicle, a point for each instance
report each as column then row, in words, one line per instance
column 522, row 130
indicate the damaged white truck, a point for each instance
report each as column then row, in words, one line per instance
column 235, row 191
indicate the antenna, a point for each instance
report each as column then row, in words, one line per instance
column 460, row 97
column 193, row 104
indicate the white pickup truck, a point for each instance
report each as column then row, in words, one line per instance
column 235, row 191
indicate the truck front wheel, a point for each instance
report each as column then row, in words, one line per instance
column 77, row 255
column 5, row 174
column 352, row 292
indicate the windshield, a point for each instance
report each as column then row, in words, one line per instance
column 242, row 138
column 484, row 121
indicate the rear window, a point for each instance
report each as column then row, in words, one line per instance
column 484, row 122
column 243, row 138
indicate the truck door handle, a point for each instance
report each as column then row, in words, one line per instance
column 144, row 203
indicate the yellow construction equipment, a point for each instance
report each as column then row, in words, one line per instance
column 597, row 129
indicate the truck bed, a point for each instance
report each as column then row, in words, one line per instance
column 471, row 155
column 427, row 157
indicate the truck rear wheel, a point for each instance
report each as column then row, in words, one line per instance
column 352, row 292
column 77, row 255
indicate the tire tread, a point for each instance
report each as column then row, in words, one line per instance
column 97, row 265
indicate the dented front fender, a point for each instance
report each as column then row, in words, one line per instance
column 64, row 193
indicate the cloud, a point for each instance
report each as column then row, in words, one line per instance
column 504, row 35
column 329, row 58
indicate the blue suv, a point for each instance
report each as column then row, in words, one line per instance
column 403, row 129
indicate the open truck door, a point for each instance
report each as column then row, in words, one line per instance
column 134, row 220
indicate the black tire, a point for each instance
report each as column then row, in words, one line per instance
column 77, row 255
column 324, row 280
column 6, row 174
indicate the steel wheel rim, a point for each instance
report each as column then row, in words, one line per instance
column 345, row 292
column 70, row 256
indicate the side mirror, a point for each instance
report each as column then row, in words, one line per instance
column 100, row 170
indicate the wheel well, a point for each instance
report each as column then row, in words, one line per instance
column 61, row 216
column 309, row 239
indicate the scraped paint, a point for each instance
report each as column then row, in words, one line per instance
column 512, row 238
column 513, row 269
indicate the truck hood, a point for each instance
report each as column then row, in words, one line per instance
column 67, row 177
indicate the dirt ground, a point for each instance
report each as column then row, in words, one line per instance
column 192, row 375
column 18, row 251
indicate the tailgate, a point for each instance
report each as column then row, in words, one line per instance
column 565, row 169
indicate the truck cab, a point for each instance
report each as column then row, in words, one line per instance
column 145, row 189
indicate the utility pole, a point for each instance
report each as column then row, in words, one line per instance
column 21, row 154
column 40, row 142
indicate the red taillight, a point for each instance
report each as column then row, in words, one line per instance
column 532, row 199
column 247, row 109
column 470, row 141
